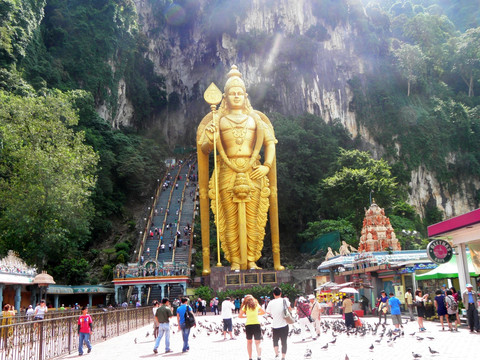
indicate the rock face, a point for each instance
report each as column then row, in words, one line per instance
column 293, row 60
column 286, row 67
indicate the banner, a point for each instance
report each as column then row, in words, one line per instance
column 475, row 255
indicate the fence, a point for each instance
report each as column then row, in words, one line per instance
column 50, row 338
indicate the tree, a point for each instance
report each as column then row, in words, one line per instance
column 306, row 147
column 318, row 228
column 72, row 271
column 467, row 58
column 411, row 62
column 346, row 193
column 46, row 178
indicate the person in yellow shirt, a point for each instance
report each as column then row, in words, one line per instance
column 409, row 303
column 250, row 309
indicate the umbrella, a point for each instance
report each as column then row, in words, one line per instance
column 348, row 290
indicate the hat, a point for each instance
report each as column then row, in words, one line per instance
column 469, row 285
column 30, row 306
column 301, row 299
column 310, row 297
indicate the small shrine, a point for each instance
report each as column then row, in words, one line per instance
column 377, row 232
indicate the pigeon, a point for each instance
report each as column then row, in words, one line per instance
column 430, row 338
column 416, row 356
column 308, row 354
column 371, row 347
column 432, row 351
column 135, row 340
column 325, row 346
column 147, row 334
column 419, row 338
column 412, row 334
column 333, row 341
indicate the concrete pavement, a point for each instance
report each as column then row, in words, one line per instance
column 210, row 345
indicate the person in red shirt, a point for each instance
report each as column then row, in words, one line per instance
column 84, row 329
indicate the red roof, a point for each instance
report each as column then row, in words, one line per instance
column 457, row 222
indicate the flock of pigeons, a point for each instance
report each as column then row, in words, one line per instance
column 375, row 334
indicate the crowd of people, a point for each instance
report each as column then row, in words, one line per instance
column 445, row 304
column 308, row 311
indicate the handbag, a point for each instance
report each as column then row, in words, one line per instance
column 309, row 317
column 287, row 315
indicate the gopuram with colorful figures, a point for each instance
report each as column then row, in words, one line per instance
column 378, row 264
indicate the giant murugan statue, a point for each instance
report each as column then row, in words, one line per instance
column 242, row 189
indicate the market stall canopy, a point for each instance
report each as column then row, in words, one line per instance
column 326, row 286
column 447, row 271
column 349, row 290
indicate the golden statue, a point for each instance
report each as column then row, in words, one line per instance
column 242, row 189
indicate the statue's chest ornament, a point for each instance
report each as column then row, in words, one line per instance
column 238, row 127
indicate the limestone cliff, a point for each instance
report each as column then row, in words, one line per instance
column 293, row 57
column 277, row 77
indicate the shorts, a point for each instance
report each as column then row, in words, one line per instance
column 227, row 325
column 396, row 319
column 253, row 330
column 452, row 317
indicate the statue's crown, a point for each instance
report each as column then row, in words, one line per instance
column 234, row 79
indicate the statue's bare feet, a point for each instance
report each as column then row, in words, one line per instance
column 279, row 267
column 206, row 272
column 235, row 266
column 252, row 265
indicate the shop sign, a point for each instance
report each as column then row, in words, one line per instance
column 439, row 251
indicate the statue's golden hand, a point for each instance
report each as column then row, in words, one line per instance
column 209, row 131
column 259, row 172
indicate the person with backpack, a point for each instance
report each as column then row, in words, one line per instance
column 184, row 318
column 452, row 311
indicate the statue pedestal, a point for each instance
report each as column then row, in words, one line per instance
column 223, row 278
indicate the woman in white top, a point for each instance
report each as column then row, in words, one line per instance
column 420, row 303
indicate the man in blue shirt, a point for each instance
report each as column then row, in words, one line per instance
column 181, row 310
column 470, row 301
column 394, row 305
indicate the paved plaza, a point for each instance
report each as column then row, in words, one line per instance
column 210, row 345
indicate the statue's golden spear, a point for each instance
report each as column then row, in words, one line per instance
column 213, row 96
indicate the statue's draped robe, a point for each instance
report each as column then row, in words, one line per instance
column 256, row 204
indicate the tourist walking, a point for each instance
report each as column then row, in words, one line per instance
column 382, row 306
column 470, row 301
column 439, row 302
column 303, row 312
column 315, row 313
column 85, row 326
column 40, row 311
column 452, row 310
column 394, row 305
column 250, row 309
column 227, row 315
column 163, row 315
column 275, row 309
column 348, row 312
column 156, row 305
column 181, row 311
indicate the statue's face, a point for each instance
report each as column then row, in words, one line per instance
column 236, row 98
